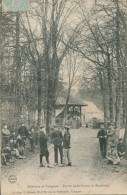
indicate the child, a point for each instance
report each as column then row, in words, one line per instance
column 121, row 148
column 32, row 139
column 6, row 155
column 14, row 149
column 21, row 145
column 112, row 155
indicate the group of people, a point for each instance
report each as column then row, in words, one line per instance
column 108, row 149
column 14, row 143
column 61, row 143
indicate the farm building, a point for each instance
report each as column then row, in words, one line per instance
column 91, row 113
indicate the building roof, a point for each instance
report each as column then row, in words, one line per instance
column 91, row 108
column 73, row 101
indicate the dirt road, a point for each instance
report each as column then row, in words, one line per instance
column 89, row 173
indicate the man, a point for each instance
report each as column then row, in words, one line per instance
column 66, row 147
column 121, row 148
column 32, row 139
column 5, row 135
column 110, row 135
column 112, row 155
column 57, row 139
column 43, row 147
column 102, row 135
column 23, row 131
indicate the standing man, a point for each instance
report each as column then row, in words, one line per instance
column 57, row 139
column 43, row 147
column 102, row 135
column 110, row 135
column 66, row 147
column 23, row 132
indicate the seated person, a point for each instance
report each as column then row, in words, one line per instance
column 3, row 159
column 5, row 135
column 112, row 155
column 12, row 138
column 21, row 145
column 14, row 149
column 6, row 154
column 121, row 148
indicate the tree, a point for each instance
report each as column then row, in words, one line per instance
column 72, row 66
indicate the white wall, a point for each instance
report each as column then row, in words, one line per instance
column 87, row 117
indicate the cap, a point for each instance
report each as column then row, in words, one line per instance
column 67, row 127
column 112, row 146
column 42, row 126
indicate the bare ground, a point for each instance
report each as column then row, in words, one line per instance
column 90, row 174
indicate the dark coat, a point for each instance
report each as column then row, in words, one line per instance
column 57, row 138
column 101, row 134
column 43, row 144
column 66, row 140
column 121, row 147
column 23, row 131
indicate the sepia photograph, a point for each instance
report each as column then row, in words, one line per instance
column 63, row 97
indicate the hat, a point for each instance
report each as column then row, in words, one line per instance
column 102, row 126
column 67, row 127
column 112, row 146
column 42, row 126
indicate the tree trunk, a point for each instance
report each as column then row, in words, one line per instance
column 119, row 79
column 103, row 92
column 39, row 96
column 110, row 89
column 66, row 107
column 17, row 62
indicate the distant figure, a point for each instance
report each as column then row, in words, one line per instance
column 110, row 135
column 112, row 155
column 87, row 125
column 102, row 135
column 66, row 147
column 43, row 147
column 23, row 131
column 5, row 135
column 121, row 148
column 57, row 139
column 32, row 139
